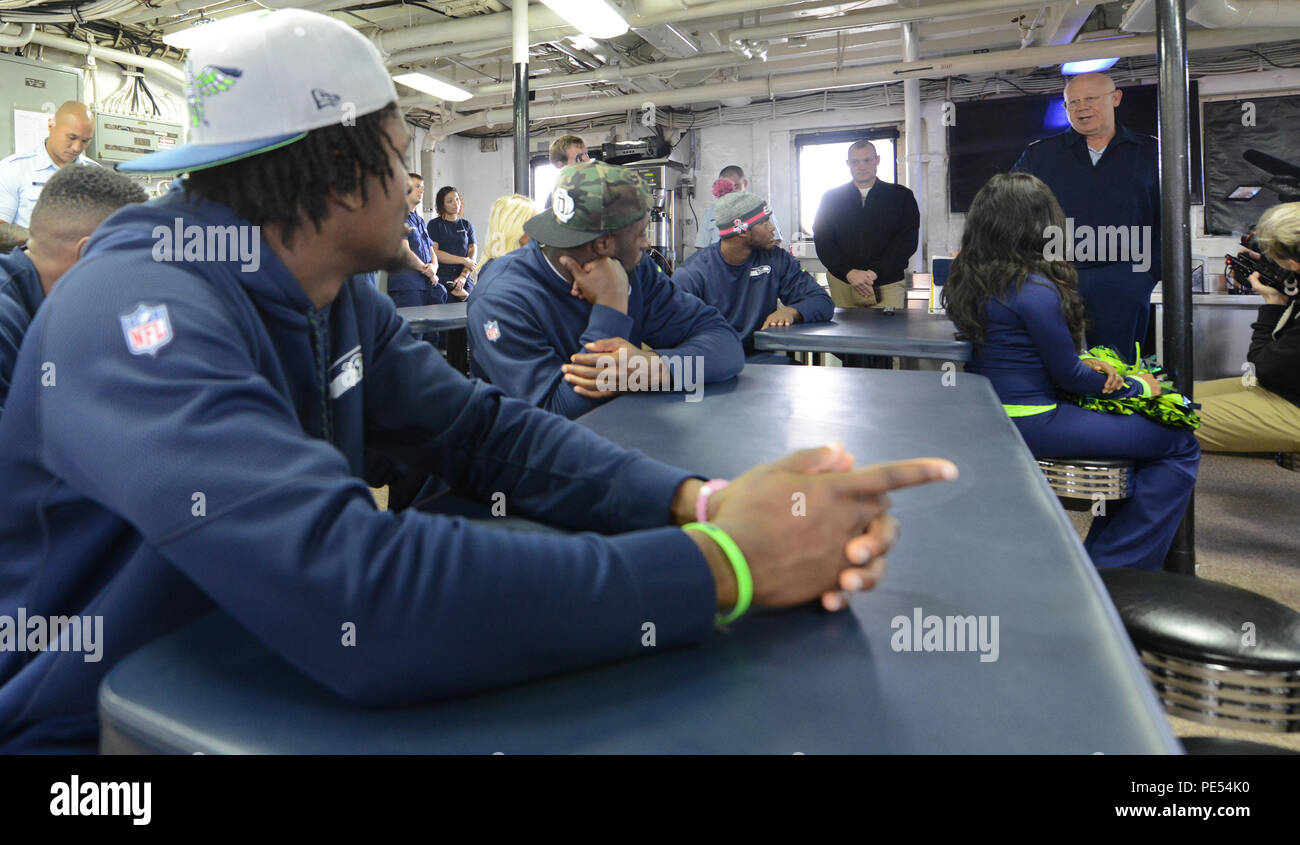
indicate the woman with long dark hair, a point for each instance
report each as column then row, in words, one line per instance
column 1023, row 313
column 453, row 243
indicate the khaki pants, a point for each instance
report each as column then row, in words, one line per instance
column 1237, row 418
column 893, row 295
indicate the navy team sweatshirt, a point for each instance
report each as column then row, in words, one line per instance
column 746, row 293
column 1028, row 353
column 21, row 294
column 524, row 324
column 210, row 452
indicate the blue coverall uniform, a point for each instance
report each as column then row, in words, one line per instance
column 1121, row 189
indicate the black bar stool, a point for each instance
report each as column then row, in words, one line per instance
column 1216, row 654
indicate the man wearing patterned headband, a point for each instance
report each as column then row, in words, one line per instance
column 730, row 178
column 745, row 274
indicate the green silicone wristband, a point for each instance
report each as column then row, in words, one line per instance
column 744, row 582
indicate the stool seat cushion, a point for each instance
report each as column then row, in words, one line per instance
column 1199, row 620
column 1106, row 463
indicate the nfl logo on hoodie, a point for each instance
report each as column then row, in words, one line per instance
column 492, row 330
column 147, row 329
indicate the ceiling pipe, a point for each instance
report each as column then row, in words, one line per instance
column 879, row 17
column 172, row 8
column 869, row 53
column 20, row 39
column 872, row 74
column 1239, row 13
column 81, row 48
column 466, row 49
column 617, row 73
column 496, row 27
column 95, row 10
column 825, row 26
column 881, row 45
column 875, row 45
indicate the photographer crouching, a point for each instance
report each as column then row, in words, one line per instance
column 1262, row 414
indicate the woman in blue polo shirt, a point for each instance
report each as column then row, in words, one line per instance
column 454, row 244
column 1025, row 318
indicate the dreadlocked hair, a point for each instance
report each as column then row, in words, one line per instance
column 289, row 186
column 1005, row 242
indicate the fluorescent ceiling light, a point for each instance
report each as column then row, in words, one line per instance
column 440, row 88
column 583, row 42
column 1088, row 66
column 205, row 29
column 594, row 18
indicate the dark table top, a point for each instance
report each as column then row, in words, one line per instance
column 908, row 333
column 993, row 543
column 434, row 318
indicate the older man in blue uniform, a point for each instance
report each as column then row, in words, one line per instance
column 1105, row 175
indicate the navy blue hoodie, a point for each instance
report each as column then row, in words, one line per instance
column 20, row 295
column 746, row 293
column 213, row 455
column 524, row 324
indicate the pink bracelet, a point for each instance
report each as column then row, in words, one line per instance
column 702, row 501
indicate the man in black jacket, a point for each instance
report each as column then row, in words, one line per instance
column 1260, row 411
column 865, row 233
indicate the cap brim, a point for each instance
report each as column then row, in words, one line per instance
column 190, row 157
column 545, row 229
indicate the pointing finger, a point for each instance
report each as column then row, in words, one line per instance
column 880, row 478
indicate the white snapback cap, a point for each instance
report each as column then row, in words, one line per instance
column 267, row 83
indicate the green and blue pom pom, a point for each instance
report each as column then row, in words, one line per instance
column 1170, row 408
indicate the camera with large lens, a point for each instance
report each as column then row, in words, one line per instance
column 1240, row 267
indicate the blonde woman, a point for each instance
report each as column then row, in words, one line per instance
column 506, row 226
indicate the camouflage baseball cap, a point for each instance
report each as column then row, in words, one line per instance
column 590, row 199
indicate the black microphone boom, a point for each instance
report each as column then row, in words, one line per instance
column 1275, row 166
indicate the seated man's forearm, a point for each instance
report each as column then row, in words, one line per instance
column 12, row 235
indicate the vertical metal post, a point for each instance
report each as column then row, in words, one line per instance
column 1175, row 233
column 912, row 147
column 523, row 173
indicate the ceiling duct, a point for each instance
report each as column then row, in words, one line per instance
column 670, row 40
column 1218, row 14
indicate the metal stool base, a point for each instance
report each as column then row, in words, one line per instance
column 1213, row 694
column 1089, row 481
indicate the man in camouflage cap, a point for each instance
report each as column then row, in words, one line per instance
column 561, row 321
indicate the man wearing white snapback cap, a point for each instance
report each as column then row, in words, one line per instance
column 215, row 415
